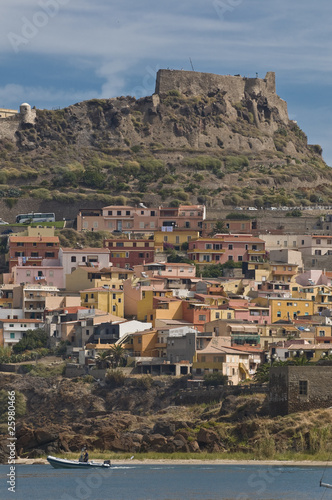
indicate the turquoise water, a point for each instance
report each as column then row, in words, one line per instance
column 167, row 482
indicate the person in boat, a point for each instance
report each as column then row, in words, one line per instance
column 84, row 457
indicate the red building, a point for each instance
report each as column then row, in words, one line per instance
column 127, row 253
column 196, row 314
column 32, row 250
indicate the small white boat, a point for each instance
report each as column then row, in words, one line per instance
column 64, row 463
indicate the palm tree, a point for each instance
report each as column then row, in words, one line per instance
column 219, row 227
column 103, row 359
column 117, row 353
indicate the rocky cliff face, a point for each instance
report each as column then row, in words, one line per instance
column 153, row 415
column 201, row 137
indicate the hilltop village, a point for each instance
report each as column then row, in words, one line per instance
column 145, row 291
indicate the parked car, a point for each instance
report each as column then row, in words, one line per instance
column 3, row 222
column 252, row 208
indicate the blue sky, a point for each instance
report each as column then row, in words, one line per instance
column 58, row 52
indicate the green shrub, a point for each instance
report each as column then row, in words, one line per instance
column 115, row 378
column 214, row 379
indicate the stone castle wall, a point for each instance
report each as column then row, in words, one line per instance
column 284, row 393
column 192, row 83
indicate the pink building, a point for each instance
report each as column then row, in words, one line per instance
column 127, row 219
column 46, row 275
column 224, row 247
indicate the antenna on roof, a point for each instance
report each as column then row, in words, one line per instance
column 191, row 63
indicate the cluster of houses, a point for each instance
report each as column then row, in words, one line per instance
column 168, row 317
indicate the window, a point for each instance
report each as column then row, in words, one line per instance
column 49, row 254
column 303, row 387
column 34, row 254
column 278, row 314
column 318, row 242
column 114, row 296
column 230, row 247
column 127, row 212
column 202, row 317
column 230, row 257
column 28, row 273
column 114, row 308
column 141, row 255
column 239, row 258
column 73, row 258
column 118, row 212
column 12, row 335
column 109, row 212
column 153, row 213
column 321, row 333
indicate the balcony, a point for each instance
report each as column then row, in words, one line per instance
column 256, row 252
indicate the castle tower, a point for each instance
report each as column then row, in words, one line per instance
column 27, row 114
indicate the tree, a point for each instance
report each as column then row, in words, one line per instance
column 32, row 339
column 117, row 355
column 214, row 379
column 103, row 359
column 262, row 373
column 219, row 227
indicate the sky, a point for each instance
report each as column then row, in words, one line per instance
column 54, row 53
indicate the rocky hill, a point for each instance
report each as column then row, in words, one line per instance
column 142, row 414
column 222, row 140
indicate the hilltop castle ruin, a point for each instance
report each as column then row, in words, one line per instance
column 234, row 88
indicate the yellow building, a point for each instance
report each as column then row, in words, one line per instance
column 106, row 299
column 139, row 295
column 320, row 294
column 289, row 309
column 167, row 308
column 281, row 271
column 89, row 277
column 142, row 344
column 176, row 238
column 221, row 314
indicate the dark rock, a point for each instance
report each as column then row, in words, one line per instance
column 164, row 428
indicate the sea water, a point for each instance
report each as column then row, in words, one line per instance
column 167, row 482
